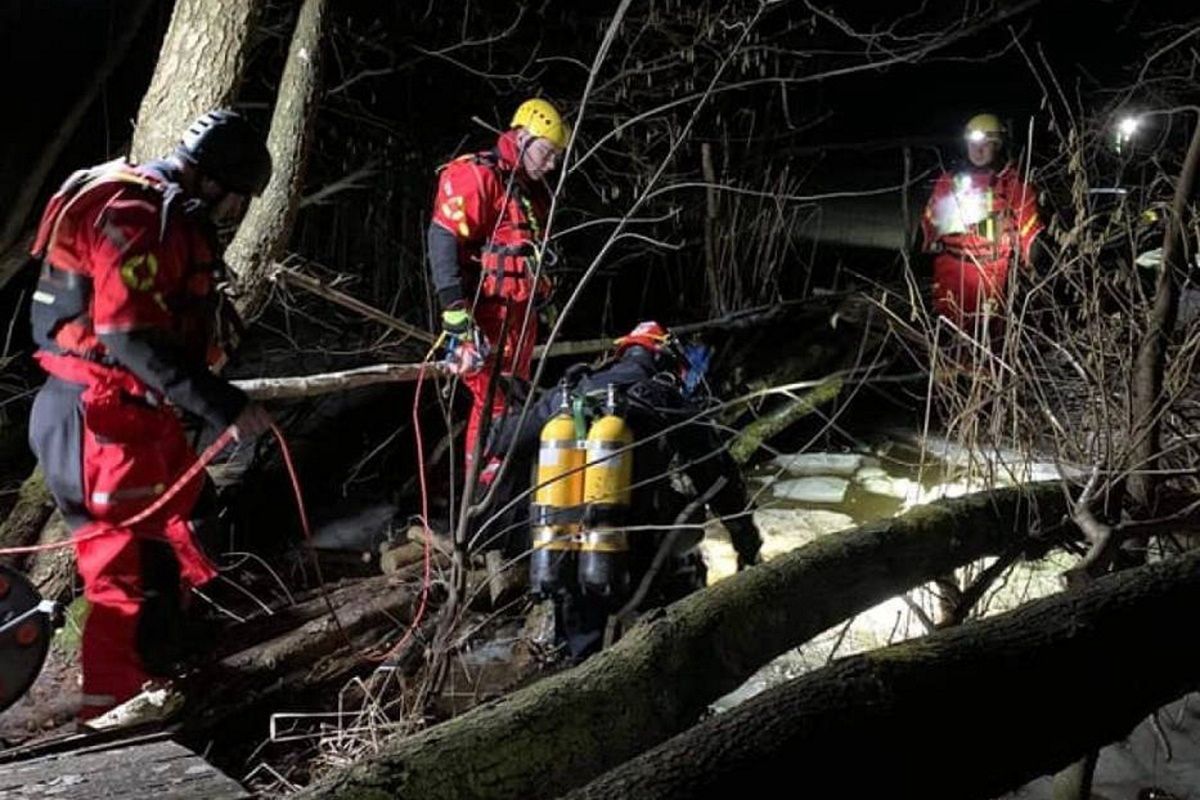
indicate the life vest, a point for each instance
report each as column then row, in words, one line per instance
column 508, row 257
column 982, row 216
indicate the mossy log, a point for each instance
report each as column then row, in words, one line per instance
column 763, row 428
column 660, row 678
column 301, row 648
column 1043, row 684
column 24, row 523
column 817, row 352
column 53, row 571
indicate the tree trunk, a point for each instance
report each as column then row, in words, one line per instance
column 662, row 675
column 28, row 516
column 199, row 68
column 324, row 383
column 711, row 231
column 751, row 437
column 1148, row 407
column 1075, row 782
column 1149, row 404
column 268, row 225
column 302, row 647
column 35, row 520
column 53, row 571
column 1042, row 684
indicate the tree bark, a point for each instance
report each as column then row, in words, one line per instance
column 28, row 516
column 326, row 382
column 265, row 231
column 1149, row 404
column 120, row 771
column 662, row 675
column 1043, row 684
column 751, row 437
column 711, row 231
column 53, row 571
column 199, row 68
column 301, row 647
column 1075, row 782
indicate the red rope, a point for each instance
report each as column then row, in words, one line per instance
column 427, row 533
column 175, row 488
column 210, row 453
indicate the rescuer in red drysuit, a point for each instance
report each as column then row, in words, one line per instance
column 485, row 240
column 123, row 316
column 978, row 223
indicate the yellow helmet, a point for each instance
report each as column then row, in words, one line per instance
column 984, row 126
column 543, row 120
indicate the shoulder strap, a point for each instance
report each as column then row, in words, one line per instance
column 78, row 186
column 488, row 158
column 485, row 158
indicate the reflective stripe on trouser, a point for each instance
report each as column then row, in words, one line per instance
column 131, row 577
column 133, row 630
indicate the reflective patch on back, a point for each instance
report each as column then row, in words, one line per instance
column 139, row 272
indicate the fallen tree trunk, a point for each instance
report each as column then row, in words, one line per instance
column 123, row 769
column 326, row 382
column 53, row 571
column 24, row 523
column 302, row 647
column 660, row 678
column 737, row 320
column 1043, row 684
column 753, row 435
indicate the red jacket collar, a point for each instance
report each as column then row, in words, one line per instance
column 509, row 151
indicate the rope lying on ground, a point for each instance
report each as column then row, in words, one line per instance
column 190, row 474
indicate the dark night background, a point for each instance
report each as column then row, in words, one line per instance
column 395, row 107
column 402, row 82
column 408, row 121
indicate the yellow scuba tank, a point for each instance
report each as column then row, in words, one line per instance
column 555, row 512
column 607, row 479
